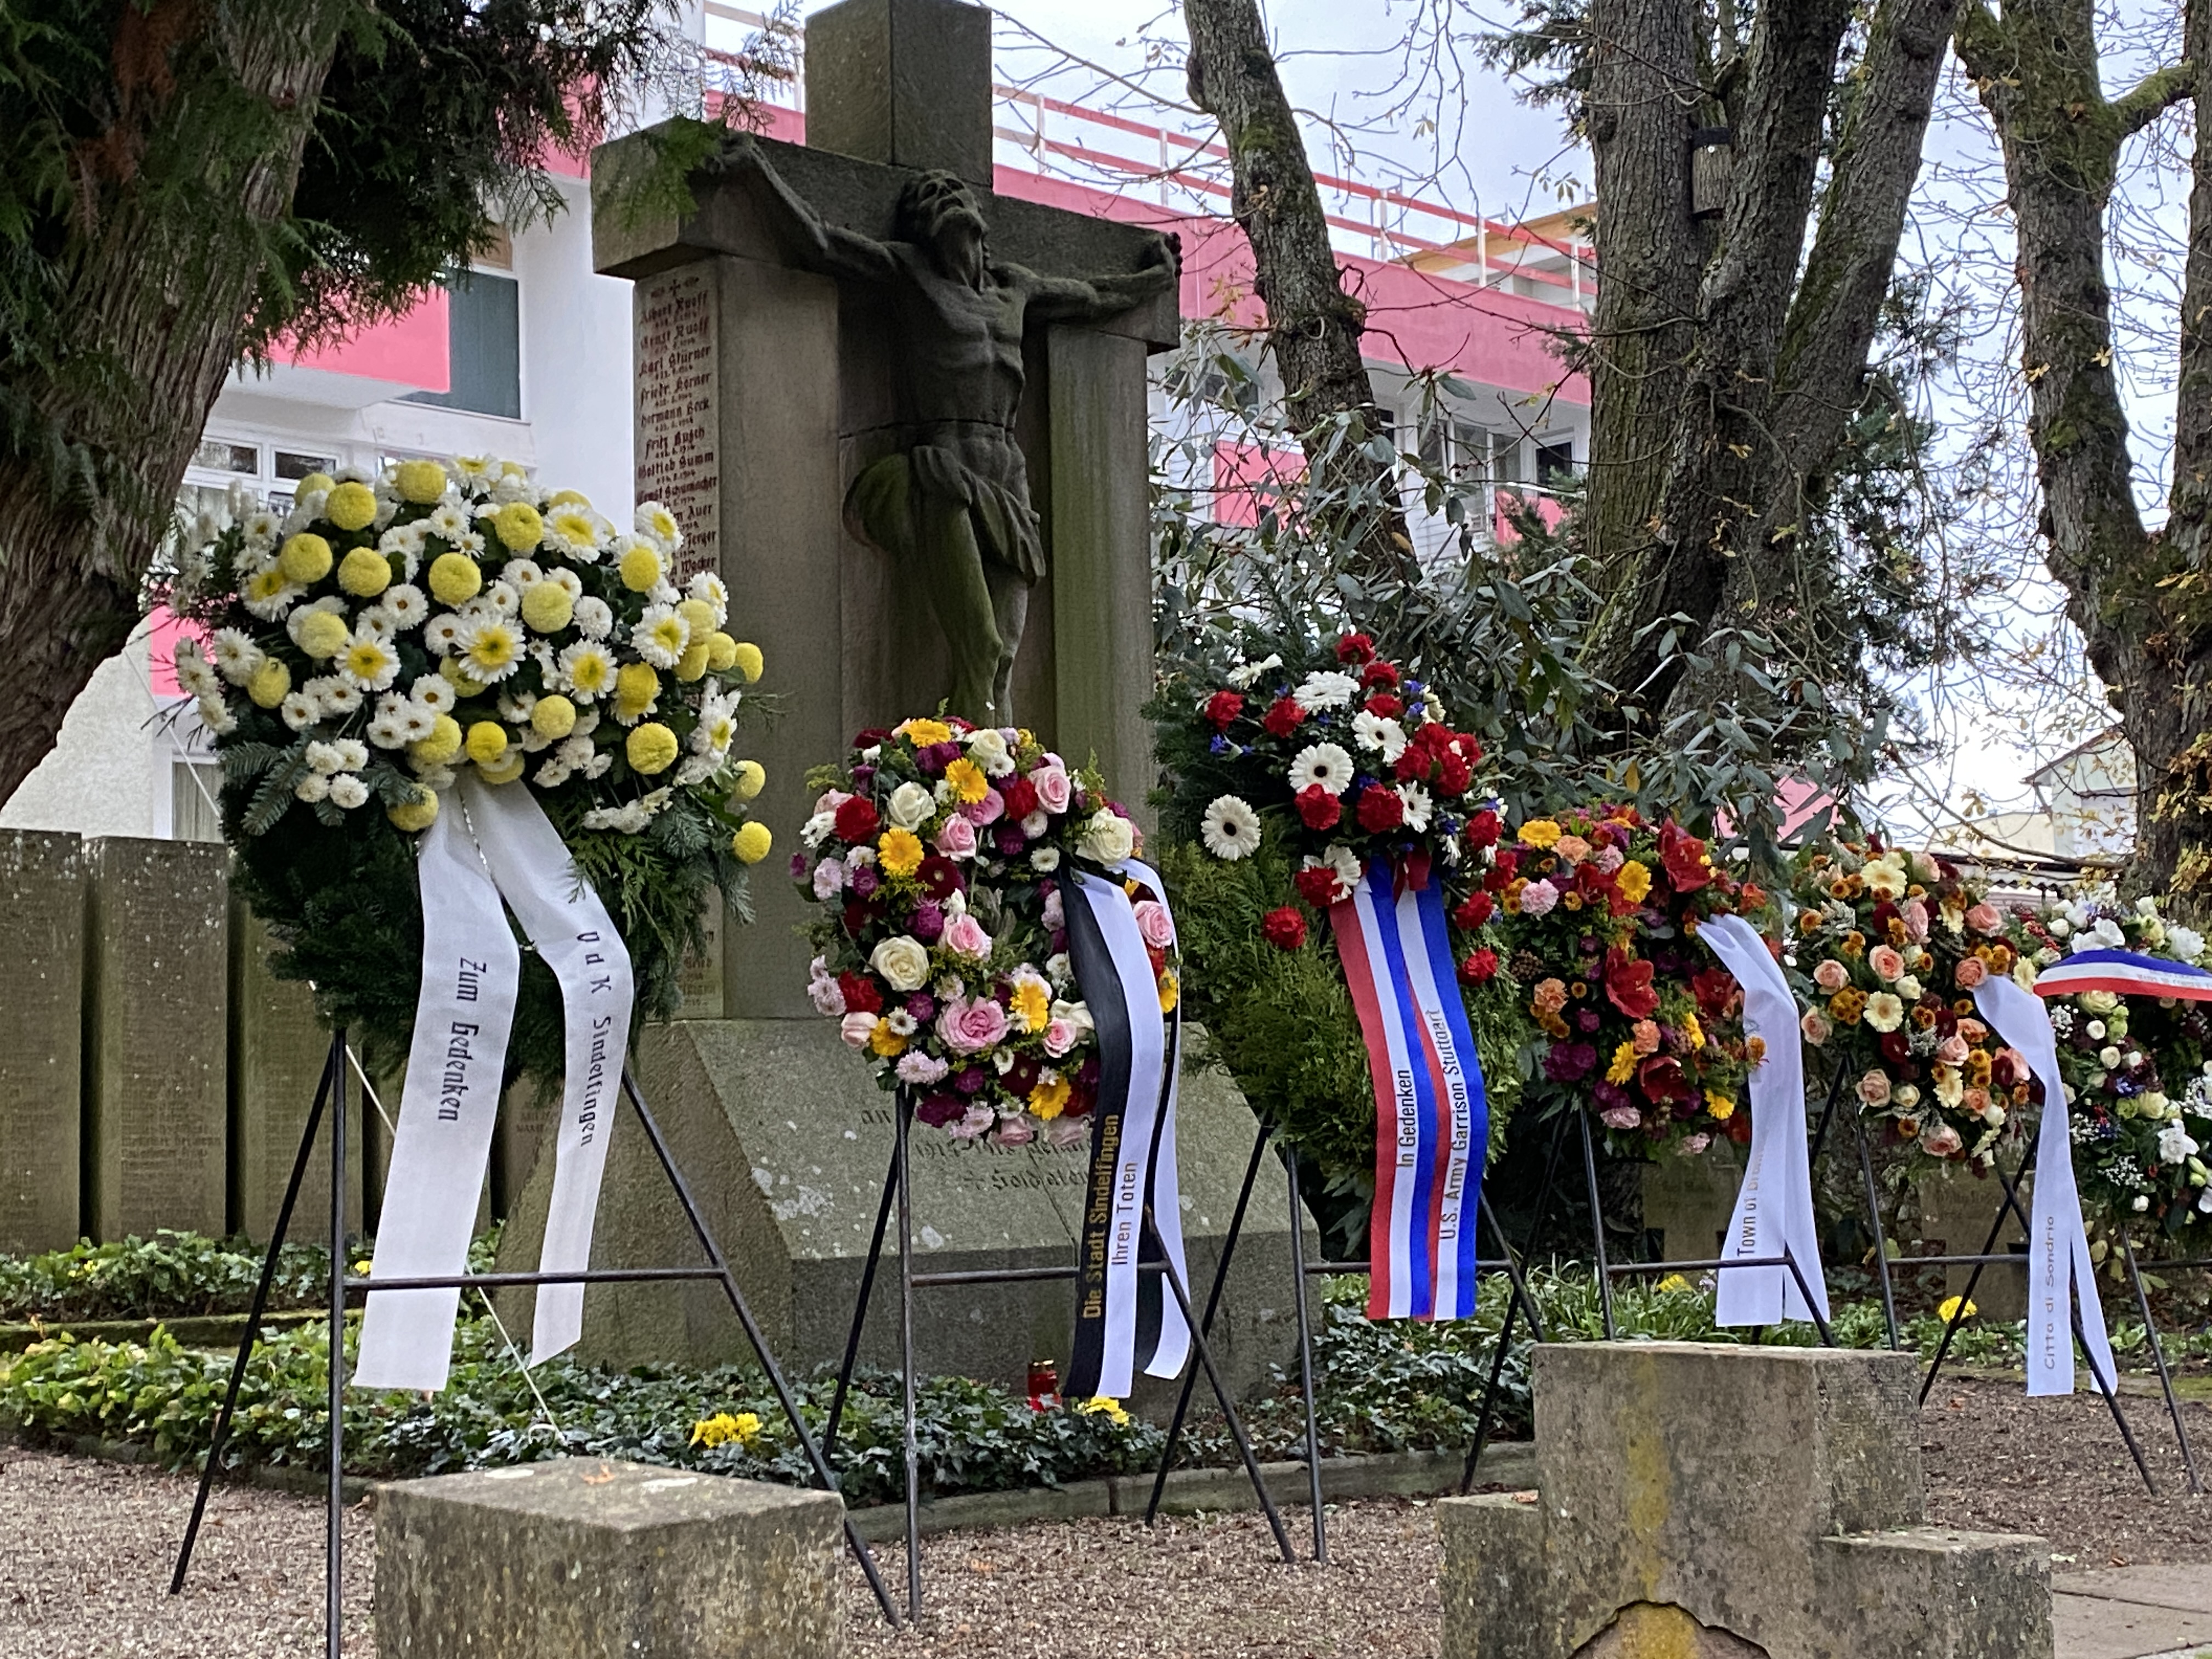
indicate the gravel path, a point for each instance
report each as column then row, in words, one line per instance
column 85, row 1547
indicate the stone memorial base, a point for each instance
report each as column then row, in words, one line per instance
column 1708, row 1501
column 1688, row 1201
column 786, row 1141
column 591, row 1559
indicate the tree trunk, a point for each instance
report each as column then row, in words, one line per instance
column 164, row 321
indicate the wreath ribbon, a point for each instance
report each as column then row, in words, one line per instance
column 1124, row 1318
column 1431, row 1115
column 498, row 846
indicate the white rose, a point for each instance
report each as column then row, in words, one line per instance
column 901, row 961
column 987, row 748
column 912, row 805
column 1108, row 838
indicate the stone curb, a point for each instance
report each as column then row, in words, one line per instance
column 193, row 1331
column 270, row 1477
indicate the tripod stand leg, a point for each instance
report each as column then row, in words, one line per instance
column 1597, row 1225
column 334, row 1553
column 906, row 1369
column 743, row 1310
column 1305, row 1356
column 1881, row 1237
column 1958, row 1313
column 1212, row 1305
column 2165, row 1377
column 860, row 1310
column 247, row 1338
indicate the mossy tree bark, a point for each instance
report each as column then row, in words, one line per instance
column 2142, row 598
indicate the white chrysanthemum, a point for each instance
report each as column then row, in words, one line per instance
column 1373, row 732
column 587, row 669
column 449, row 521
column 572, row 528
column 353, row 754
column 661, row 635
column 194, row 673
column 305, row 509
column 567, row 581
column 417, row 721
column 269, row 596
column 499, row 597
column 707, row 588
column 657, row 526
column 521, row 575
column 491, row 648
column 236, row 655
column 389, row 730
column 551, row 775
column 1326, row 689
column 216, row 715
column 376, row 622
column 324, row 758
column 262, row 528
column 405, row 603
column 368, row 663
column 515, row 707
column 513, row 484
column 1417, row 806
column 434, row 692
column 664, row 592
column 474, row 468
column 348, row 791
column 441, row 634
column 716, row 731
column 299, row 710
column 1231, row 829
column 1328, row 764
column 333, row 694
column 698, row 768
column 313, row 788
column 594, row 619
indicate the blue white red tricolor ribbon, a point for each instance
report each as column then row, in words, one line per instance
column 1431, row 1118
column 2125, row 973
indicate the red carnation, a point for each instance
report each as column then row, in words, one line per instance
column 1628, row 985
column 1507, row 864
column 872, row 736
column 1684, row 855
column 861, row 996
column 1384, row 707
column 1284, row 928
column 1316, row 886
column 1320, row 809
column 1380, row 809
column 856, row 917
column 1378, row 673
column 857, row 820
column 1355, row 647
column 1223, row 707
column 1480, row 968
column 1282, row 717
column 1473, row 911
column 1483, row 830
column 1020, row 796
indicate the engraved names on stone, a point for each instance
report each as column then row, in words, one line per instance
column 676, row 462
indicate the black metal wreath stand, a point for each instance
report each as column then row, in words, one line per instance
column 332, row 1092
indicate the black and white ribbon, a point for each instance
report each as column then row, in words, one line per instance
column 486, row 844
column 1126, row 1319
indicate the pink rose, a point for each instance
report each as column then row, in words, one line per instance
column 1942, row 1141
column 1054, row 913
column 1874, row 1088
column 1915, row 921
column 1055, row 790
column 1831, row 974
column 1816, row 1027
column 969, row 1027
column 1886, row 962
column 1016, row 1131
column 1620, row 1117
column 856, row 1030
column 1952, row 1050
column 957, row 840
column 1983, row 919
column 1977, row 1101
column 1971, row 971
column 989, row 810
column 1058, row 1037
column 1152, row 922
column 964, row 937
column 1972, row 1029
column 831, row 800
column 829, row 878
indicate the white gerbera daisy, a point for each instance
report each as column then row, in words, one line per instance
column 594, row 619
column 1417, row 806
column 216, row 717
column 576, row 530
column 299, row 710
column 491, row 648
column 434, row 692
column 1328, row 764
column 1231, row 827
column 661, row 635
column 1326, row 689
column 194, row 673
column 268, row 596
column 587, row 670
column 657, row 526
column 312, row 788
column 1373, row 732
column 236, row 655
column 441, row 634
column 368, row 663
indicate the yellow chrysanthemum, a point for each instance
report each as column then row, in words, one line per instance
column 324, row 634
column 1049, row 1100
column 519, row 526
column 1170, row 991
column 751, row 843
column 315, row 481
column 899, row 851
column 570, row 498
column 454, row 578
column 420, row 813
column 270, row 684
column 1719, row 1105
column 440, row 746
column 721, row 652
column 1032, row 1005
column 1111, row 1410
column 351, row 506
column 721, row 1428
column 420, row 482
column 506, row 770
column 547, row 608
column 651, row 748
column 746, row 658
column 1624, row 1064
column 1540, row 832
column 492, row 649
column 640, row 568
column 922, row 733
column 365, row 573
column 752, row 778
column 698, row 616
column 487, row 743
column 306, row 558
column 967, row 780
column 554, row 717
column 1634, row 881
column 636, row 686
column 692, row 664
column 885, row 1041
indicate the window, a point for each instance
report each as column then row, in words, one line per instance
column 195, row 786
column 292, row 465
column 1555, row 463
column 220, row 455
column 484, row 323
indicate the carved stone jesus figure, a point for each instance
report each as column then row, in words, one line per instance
column 953, row 507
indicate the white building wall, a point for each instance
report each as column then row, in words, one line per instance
column 576, row 358
column 99, row 780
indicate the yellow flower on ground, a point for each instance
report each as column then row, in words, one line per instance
column 1540, row 832
column 519, row 526
column 351, row 506
column 747, row 661
column 885, row 1041
column 651, row 748
column 1952, row 1309
column 922, row 733
column 1170, row 991
column 1719, row 1105
column 417, row 814
column 270, row 683
column 1634, row 881
column 752, row 778
column 440, row 746
column 1102, row 1406
column 554, row 717
column 967, row 781
column 1674, row 1282
column 365, row 573
column 1624, row 1064
column 751, row 843
column 420, row 482
column 721, row 652
column 487, row 742
column 722, row 1428
column 306, row 558
column 323, row 635
column 1032, row 1004
column 640, row 568
column 899, row 851
column 547, row 608
column 454, row 579
column 636, row 689
column 1049, row 1100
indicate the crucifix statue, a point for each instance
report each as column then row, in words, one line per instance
column 952, row 506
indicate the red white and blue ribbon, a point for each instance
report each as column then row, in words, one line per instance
column 1431, row 1118
column 2126, row 973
